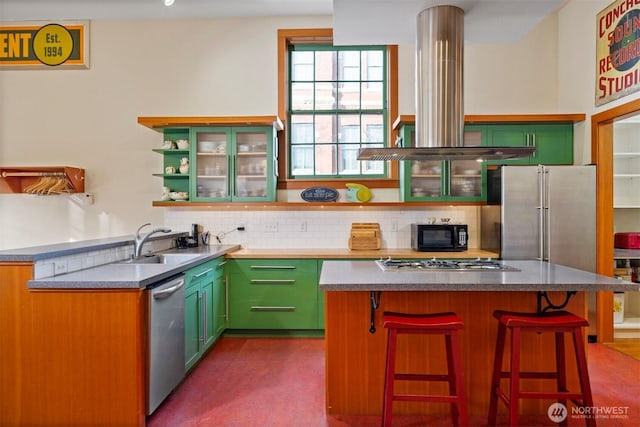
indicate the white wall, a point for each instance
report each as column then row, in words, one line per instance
column 87, row 118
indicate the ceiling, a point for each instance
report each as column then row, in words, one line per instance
column 354, row 21
column 20, row 10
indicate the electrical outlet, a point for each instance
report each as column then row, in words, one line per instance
column 271, row 227
column 303, row 226
column 394, row 225
column 59, row 267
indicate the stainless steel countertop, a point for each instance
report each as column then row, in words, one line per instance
column 533, row 276
column 121, row 275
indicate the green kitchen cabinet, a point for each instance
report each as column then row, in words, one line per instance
column 553, row 142
column 444, row 180
column 275, row 294
column 219, row 299
column 202, row 309
column 171, row 159
column 236, row 164
column 320, row 299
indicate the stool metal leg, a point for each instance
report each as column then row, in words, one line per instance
column 497, row 374
column 387, row 403
column 514, row 378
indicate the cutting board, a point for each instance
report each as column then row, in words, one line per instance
column 364, row 236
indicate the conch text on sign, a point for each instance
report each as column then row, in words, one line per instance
column 44, row 45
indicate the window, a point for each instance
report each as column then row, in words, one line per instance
column 337, row 105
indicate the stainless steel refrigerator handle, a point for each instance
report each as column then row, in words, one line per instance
column 547, row 217
column 167, row 292
column 541, row 205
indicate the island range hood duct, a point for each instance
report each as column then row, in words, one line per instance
column 439, row 96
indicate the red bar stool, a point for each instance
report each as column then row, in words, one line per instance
column 446, row 324
column 558, row 322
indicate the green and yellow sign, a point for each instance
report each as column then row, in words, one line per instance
column 43, row 46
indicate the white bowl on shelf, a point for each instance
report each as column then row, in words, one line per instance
column 182, row 144
column 179, row 195
column 206, row 146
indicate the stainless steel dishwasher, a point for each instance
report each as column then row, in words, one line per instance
column 166, row 340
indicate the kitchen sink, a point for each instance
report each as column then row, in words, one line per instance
column 172, row 259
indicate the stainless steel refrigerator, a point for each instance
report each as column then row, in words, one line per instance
column 542, row 212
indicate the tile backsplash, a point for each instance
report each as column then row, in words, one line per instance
column 321, row 228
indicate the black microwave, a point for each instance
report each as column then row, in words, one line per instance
column 439, row 237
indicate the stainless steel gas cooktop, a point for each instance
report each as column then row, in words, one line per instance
column 434, row 264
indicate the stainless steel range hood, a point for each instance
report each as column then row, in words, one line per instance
column 439, row 97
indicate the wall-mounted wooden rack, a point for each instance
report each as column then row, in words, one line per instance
column 17, row 179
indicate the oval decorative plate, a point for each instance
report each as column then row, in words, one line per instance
column 320, row 194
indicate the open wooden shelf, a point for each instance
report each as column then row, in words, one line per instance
column 159, row 123
column 14, row 179
column 504, row 118
column 304, row 205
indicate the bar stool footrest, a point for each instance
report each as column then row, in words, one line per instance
column 421, row 377
column 533, row 375
column 425, row 398
column 550, row 395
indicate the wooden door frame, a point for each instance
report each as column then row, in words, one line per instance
column 602, row 156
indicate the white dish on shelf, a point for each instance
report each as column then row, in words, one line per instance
column 179, row 195
column 206, row 146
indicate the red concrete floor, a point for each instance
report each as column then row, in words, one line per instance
column 280, row 382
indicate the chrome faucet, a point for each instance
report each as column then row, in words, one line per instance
column 140, row 240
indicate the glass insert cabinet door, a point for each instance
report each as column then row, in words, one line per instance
column 251, row 163
column 432, row 180
column 233, row 164
column 211, row 163
column 466, row 177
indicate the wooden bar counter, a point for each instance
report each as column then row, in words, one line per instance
column 355, row 356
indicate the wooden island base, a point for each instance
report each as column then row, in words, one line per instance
column 355, row 357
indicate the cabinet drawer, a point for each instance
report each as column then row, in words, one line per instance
column 262, row 314
column 273, row 294
column 214, row 268
column 272, row 269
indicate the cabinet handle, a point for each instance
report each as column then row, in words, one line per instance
column 446, row 172
column 229, row 174
column 226, row 297
column 200, row 335
column 273, row 267
column 273, row 281
column 204, row 317
column 533, row 143
column 208, row 270
column 221, row 264
column 233, row 164
column 272, row 308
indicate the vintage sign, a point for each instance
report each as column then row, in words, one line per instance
column 44, row 45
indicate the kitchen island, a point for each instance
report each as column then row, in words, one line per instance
column 358, row 292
